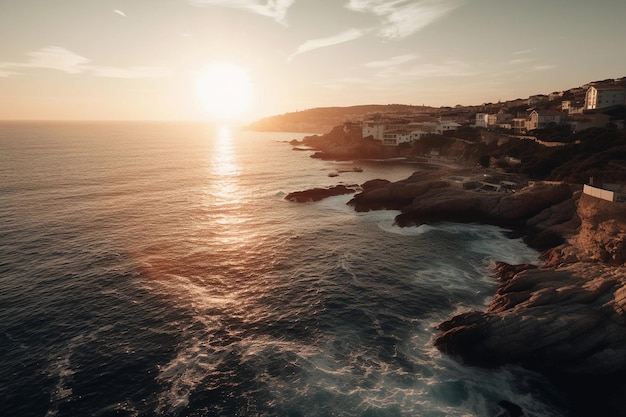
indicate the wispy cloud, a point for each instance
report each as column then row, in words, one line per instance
column 121, row 13
column 402, row 18
column 275, row 9
column 61, row 59
column 545, row 67
column 57, row 58
column 130, row 72
column 346, row 36
column 401, row 71
column 5, row 73
column 449, row 68
column 525, row 51
column 392, row 62
column 519, row 61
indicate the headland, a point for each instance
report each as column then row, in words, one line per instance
column 566, row 317
column 555, row 185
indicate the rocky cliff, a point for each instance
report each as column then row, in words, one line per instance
column 565, row 318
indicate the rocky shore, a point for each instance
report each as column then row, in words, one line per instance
column 566, row 317
column 316, row 194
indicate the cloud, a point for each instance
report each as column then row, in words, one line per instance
column 310, row 45
column 121, row 13
column 525, row 51
column 543, row 67
column 275, row 9
column 5, row 74
column 450, row 68
column 61, row 59
column 57, row 58
column 130, row 72
column 519, row 61
column 402, row 18
column 397, row 76
column 392, row 62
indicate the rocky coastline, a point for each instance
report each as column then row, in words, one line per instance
column 565, row 318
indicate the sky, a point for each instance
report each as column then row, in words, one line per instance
column 145, row 59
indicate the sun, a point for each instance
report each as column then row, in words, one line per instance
column 225, row 91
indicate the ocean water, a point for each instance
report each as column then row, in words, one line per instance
column 155, row 269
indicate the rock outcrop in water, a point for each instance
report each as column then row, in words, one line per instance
column 427, row 197
column 565, row 318
column 316, row 194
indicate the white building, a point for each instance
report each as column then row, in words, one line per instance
column 396, row 137
column 599, row 97
column 374, row 129
column 542, row 119
column 394, row 132
column 571, row 107
column 446, row 126
column 482, row 120
column 586, row 121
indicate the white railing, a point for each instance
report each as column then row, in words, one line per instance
column 599, row 193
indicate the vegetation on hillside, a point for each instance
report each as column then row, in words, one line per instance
column 323, row 119
column 597, row 153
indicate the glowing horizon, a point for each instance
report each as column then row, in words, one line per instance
column 141, row 62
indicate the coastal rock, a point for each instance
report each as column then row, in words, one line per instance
column 503, row 209
column 393, row 196
column 602, row 236
column 566, row 318
column 556, row 321
column 316, row 194
column 373, row 184
column 545, row 212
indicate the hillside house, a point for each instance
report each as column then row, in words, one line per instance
column 400, row 136
column 540, row 119
column 393, row 132
column 585, row 121
column 599, row 97
column 446, row 126
column 499, row 119
column 375, row 129
column 519, row 125
column 482, row 120
column 571, row 107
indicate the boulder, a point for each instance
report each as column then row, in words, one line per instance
column 316, row 194
column 556, row 321
column 393, row 196
column 502, row 209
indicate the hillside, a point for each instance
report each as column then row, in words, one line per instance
column 323, row 119
column 593, row 153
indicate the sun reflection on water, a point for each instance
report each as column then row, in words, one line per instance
column 223, row 161
column 223, row 197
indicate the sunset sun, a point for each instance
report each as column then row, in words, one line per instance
column 225, row 91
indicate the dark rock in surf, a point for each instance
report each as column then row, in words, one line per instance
column 316, row 194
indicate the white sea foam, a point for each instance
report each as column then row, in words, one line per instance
column 60, row 369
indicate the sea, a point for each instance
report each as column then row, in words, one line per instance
column 155, row 269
